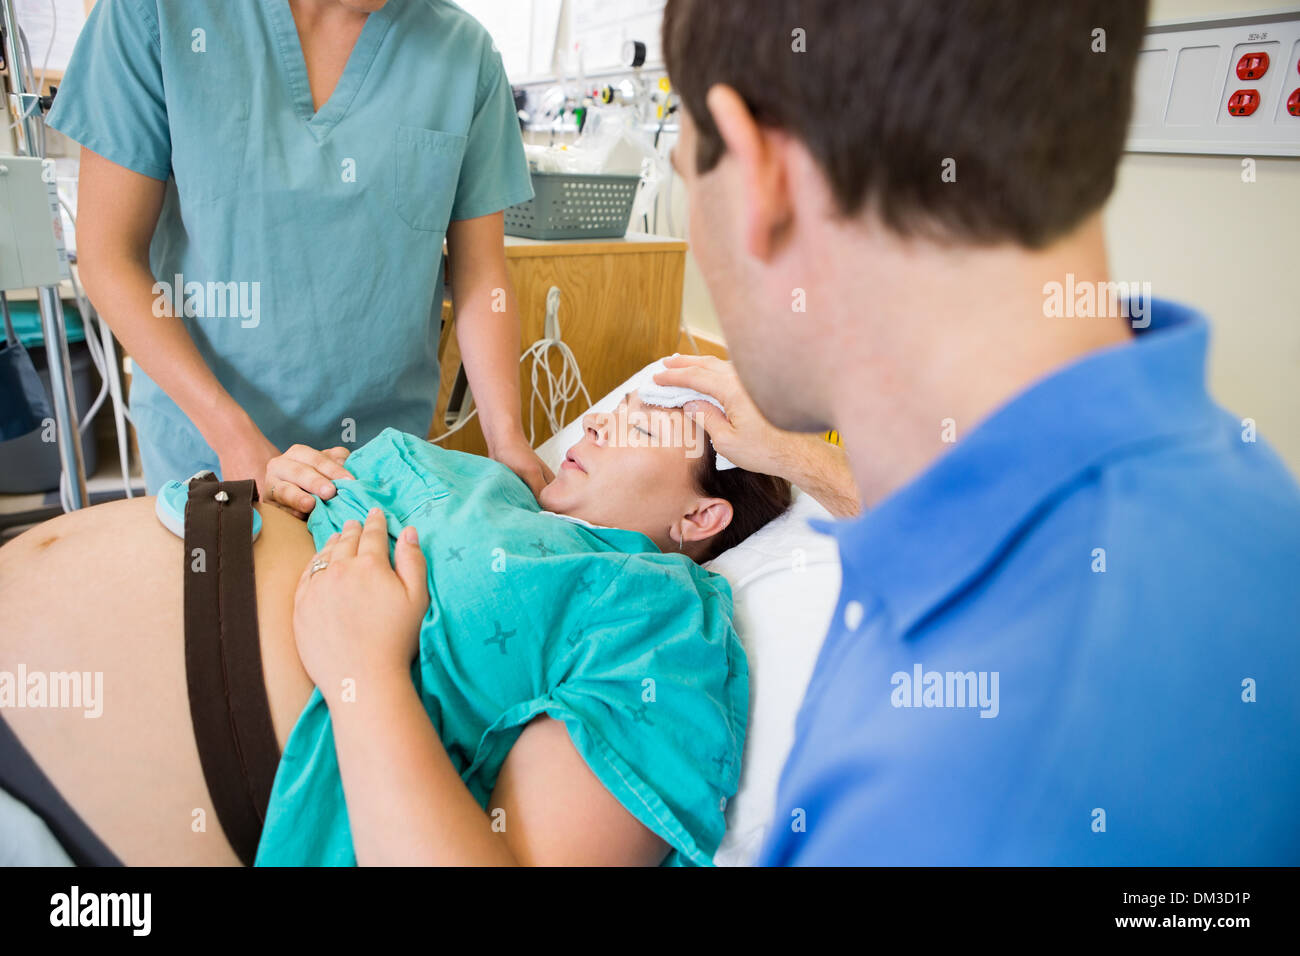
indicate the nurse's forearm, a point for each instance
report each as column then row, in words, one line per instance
column 122, row 291
column 406, row 803
column 489, row 348
column 487, row 325
column 118, row 212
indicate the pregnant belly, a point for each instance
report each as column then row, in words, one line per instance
column 280, row 554
column 99, row 592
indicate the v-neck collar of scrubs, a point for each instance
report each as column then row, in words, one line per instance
column 294, row 60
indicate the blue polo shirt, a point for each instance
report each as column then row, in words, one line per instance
column 1075, row 639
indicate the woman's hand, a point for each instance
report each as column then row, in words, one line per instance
column 358, row 618
column 520, row 458
column 292, row 478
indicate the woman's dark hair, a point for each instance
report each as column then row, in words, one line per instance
column 755, row 500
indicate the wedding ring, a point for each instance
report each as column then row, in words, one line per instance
column 318, row 565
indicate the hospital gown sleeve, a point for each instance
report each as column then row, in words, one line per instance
column 655, row 698
column 112, row 100
column 494, row 172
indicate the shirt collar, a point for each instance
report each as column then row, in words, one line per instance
column 937, row 533
column 623, row 539
column 585, row 524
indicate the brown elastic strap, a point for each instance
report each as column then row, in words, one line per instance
column 223, row 660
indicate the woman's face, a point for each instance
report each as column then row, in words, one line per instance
column 634, row 468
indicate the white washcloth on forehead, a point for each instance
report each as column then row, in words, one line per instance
column 673, row 396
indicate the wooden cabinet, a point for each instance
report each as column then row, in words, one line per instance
column 620, row 309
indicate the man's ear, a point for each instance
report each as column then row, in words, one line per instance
column 764, row 185
column 710, row 517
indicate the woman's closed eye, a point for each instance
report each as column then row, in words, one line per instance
column 637, row 413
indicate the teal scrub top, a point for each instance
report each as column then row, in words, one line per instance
column 309, row 243
column 531, row 613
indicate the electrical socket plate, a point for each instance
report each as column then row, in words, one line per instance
column 1187, row 71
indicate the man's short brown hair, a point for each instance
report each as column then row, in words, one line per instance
column 1017, row 93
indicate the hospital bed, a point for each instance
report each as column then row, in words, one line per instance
column 785, row 581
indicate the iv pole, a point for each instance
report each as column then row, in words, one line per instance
column 53, row 326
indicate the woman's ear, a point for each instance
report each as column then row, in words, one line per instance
column 710, row 517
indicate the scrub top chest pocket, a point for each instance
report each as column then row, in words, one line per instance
column 426, row 170
column 209, row 167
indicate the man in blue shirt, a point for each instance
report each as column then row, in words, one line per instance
column 1067, row 632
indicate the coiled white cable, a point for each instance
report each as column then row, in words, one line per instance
column 562, row 388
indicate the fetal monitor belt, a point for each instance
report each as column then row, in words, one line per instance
column 223, row 659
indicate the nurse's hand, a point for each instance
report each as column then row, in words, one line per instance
column 246, row 457
column 520, row 458
column 357, row 619
column 301, row 472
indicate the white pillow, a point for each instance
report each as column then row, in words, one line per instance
column 785, row 580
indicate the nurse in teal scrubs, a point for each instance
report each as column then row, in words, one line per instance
column 265, row 191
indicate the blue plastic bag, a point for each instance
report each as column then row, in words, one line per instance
column 23, row 402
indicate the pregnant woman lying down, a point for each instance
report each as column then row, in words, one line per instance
column 454, row 674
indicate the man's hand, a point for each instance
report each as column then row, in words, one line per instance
column 742, row 435
column 751, row 442
column 520, row 458
column 301, row 472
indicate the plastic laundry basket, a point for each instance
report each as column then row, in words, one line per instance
column 574, row 206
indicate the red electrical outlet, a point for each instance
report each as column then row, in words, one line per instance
column 1243, row 102
column 1252, row 66
column 1293, row 103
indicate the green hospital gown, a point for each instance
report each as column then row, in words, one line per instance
column 531, row 613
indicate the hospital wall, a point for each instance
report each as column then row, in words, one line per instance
column 1191, row 227
column 1199, row 235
